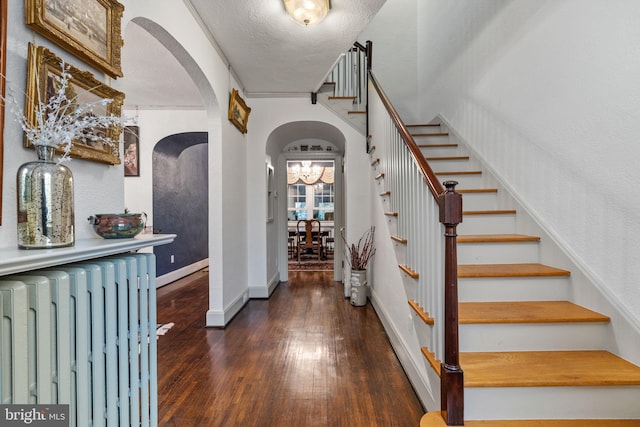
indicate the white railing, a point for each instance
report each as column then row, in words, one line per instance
column 350, row 75
column 427, row 217
column 418, row 215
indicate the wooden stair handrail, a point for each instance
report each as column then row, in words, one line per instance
column 450, row 207
column 435, row 186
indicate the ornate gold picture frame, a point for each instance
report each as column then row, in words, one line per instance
column 90, row 29
column 238, row 111
column 42, row 66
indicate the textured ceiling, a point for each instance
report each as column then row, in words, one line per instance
column 269, row 52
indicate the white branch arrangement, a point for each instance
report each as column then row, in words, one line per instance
column 63, row 119
column 361, row 253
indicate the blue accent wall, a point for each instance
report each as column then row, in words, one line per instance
column 180, row 199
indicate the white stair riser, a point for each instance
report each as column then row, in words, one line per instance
column 552, row 402
column 487, row 224
column 498, row 253
column 479, row 201
column 523, row 289
column 441, row 151
column 432, row 139
column 359, row 119
column 425, row 129
column 464, row 181
column 450, row 165
column 533, row 336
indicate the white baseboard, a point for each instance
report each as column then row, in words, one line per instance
column 165, row 279
column 265, row 291
column 419, row 383
column 221, row 318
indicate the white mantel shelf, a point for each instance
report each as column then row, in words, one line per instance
column 14, row 260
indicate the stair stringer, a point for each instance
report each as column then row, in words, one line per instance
column 407, row 332
column 585, row 288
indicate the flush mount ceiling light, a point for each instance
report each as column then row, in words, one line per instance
column 307, row 11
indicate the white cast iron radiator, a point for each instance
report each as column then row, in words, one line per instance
column 83, row 334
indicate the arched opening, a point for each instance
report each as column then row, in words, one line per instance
column 309, row 141
column 180, row 200
column 175, row 107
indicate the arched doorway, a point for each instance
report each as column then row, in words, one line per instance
column 174, row 103
column 304, row 140
column 180, row 201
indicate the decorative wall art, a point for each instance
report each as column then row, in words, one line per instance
column 42, row 69
column 3, row 54
column 131, row 151
column 238, row 111
column 90, row 29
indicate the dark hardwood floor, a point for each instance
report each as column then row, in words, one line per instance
column 304, row 357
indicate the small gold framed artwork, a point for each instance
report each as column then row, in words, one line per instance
column 238, row 111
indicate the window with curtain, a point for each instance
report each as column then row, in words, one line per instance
column 310, row 192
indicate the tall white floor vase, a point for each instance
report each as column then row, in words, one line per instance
column 358, row 287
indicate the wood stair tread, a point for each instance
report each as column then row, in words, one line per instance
column 491, row 212
column 496, row 238
column 437, row 145
column 459, row 173
column 434, row 419
column 477, row 190
column 430, row 134
column 509, row 270
column 525, row 312
column 547, row 369
column 424, row 125
column 351, row 98
column 447, row 158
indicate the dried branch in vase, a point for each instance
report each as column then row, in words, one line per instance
column 361, row 253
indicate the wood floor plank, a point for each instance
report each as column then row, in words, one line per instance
column 303, row 357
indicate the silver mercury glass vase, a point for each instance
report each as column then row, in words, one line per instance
column 45, row 203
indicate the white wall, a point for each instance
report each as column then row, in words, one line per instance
column 547, row 92
column 98, row 187
column 267, row 114
column 395, row 64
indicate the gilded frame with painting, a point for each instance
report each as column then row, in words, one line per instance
column 90, row 29
column 42, row 66
column 238, row 111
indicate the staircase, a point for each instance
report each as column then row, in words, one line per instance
column 344, row 90
column 527, row 352
column 345, row 106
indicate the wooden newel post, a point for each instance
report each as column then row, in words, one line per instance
column 451, row 375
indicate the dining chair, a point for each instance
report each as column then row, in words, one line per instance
column 309, row 238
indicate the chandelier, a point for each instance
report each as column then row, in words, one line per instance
column 307, row 172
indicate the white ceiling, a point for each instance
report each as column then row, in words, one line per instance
column 269, row 52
